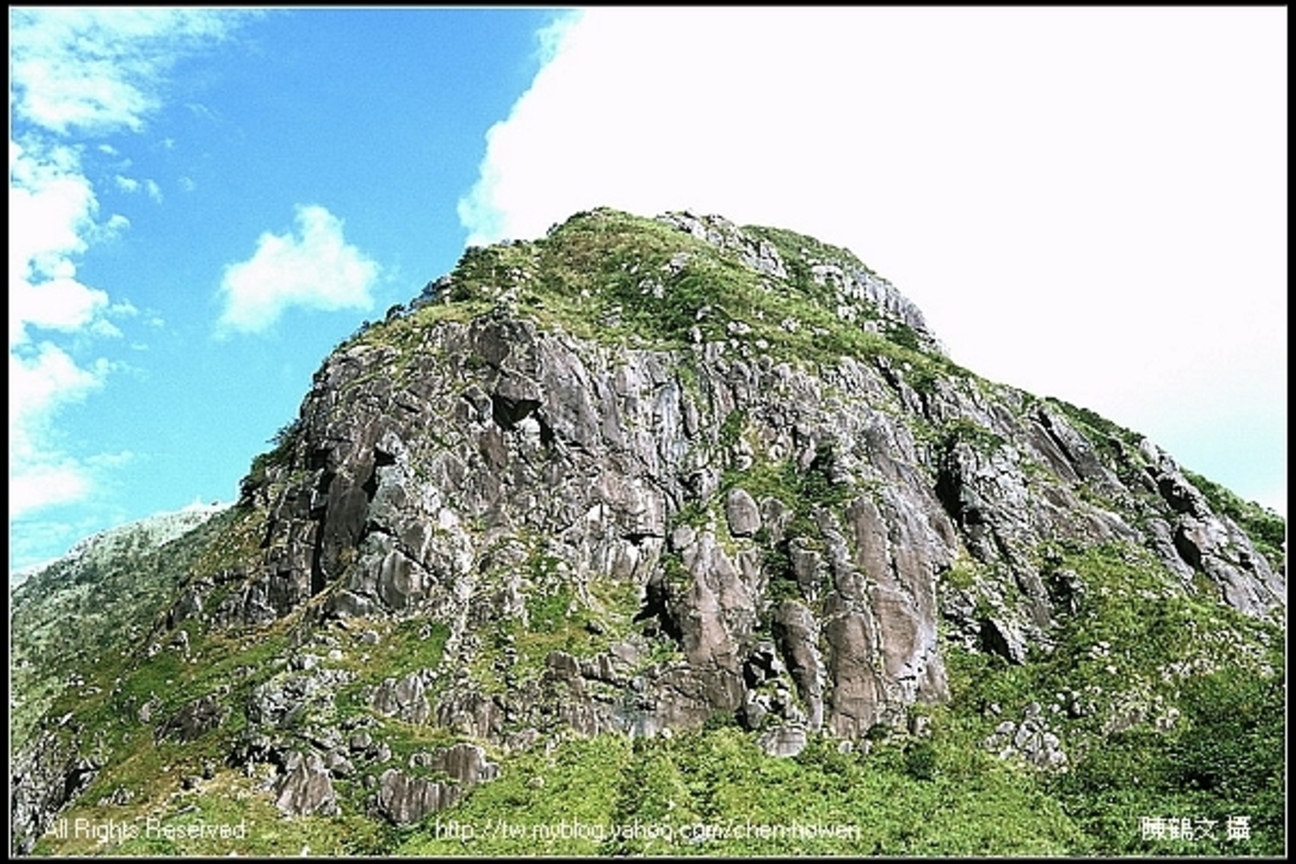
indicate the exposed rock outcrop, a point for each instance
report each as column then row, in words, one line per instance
column 193, row 720
column 743, row 482
column 502, row 447
column 404, row 799
column 47, row 774
column 1030, row 740
column 306, row 787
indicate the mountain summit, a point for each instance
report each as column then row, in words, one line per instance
column 645, row 479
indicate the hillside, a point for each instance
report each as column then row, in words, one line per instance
column 101, row 597
column 670, row 523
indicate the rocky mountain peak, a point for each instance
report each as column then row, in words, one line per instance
column 644, row 475
column 623, row 410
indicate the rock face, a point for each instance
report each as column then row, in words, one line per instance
column 306, row 787
column 404, row 800
column 431, row 478
column 46, row 775
column 194, row 720
column 738, row 483
column 403, row 698
column 439, row 477
column 1030, row 740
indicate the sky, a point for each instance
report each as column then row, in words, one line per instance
column 1086, row 203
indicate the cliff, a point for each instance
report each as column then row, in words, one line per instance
column 641, row 477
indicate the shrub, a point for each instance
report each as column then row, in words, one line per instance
column 920, row 760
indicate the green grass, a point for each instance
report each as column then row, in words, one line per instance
column 714, row 792
column 1136, row 643
column 73, row 620
column 629, row 281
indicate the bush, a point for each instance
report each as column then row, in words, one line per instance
column 920, row 760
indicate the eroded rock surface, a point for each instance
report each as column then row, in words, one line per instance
column 512, row 525
column 741, row 499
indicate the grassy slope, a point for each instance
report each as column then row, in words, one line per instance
column 1221, row 758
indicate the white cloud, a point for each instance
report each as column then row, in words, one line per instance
column 1086, row 203
column 52, row 208
column 131, row 185
column 42, row 379
column 43, row 376
column 314, row 268
column 44, row 484
column 99, row 69
column 57, row 304
column 73, row 72
column 116, row 224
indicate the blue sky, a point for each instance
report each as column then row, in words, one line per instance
column 1086, row 203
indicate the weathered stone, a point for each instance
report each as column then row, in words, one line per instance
column 290, row 697
column 403, row 698
column 796, row 633
column 741, row 512
column 194, row 719
column 1004, row 638
column 808, row 567
column 405, row 800
column 754, row 709
column 783, row 741
column 466, row 764
column 306, row 788
column 1029, row 740
column 856, row 696
column 145, row 713
column 45, row 777
column 338, row 764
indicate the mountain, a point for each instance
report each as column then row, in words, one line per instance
column 660, row 523
column 98, row 597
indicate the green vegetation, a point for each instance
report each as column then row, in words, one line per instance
column 70, row 622
column 1266, row 529
column 231, row 800
column 620, row 279
column 713, row 792
column 280, row 456
column 1167, row 704
column 1099, row 427
column 1223, row 765
column 1169, row 708
column 964, row 431
column 732, row 427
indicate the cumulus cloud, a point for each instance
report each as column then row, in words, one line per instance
column 42, row 379
column 131, row 185
column 313, row 268
column 1086, row 203
column 97, row 70
column 74, row 74
column 52, row 210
